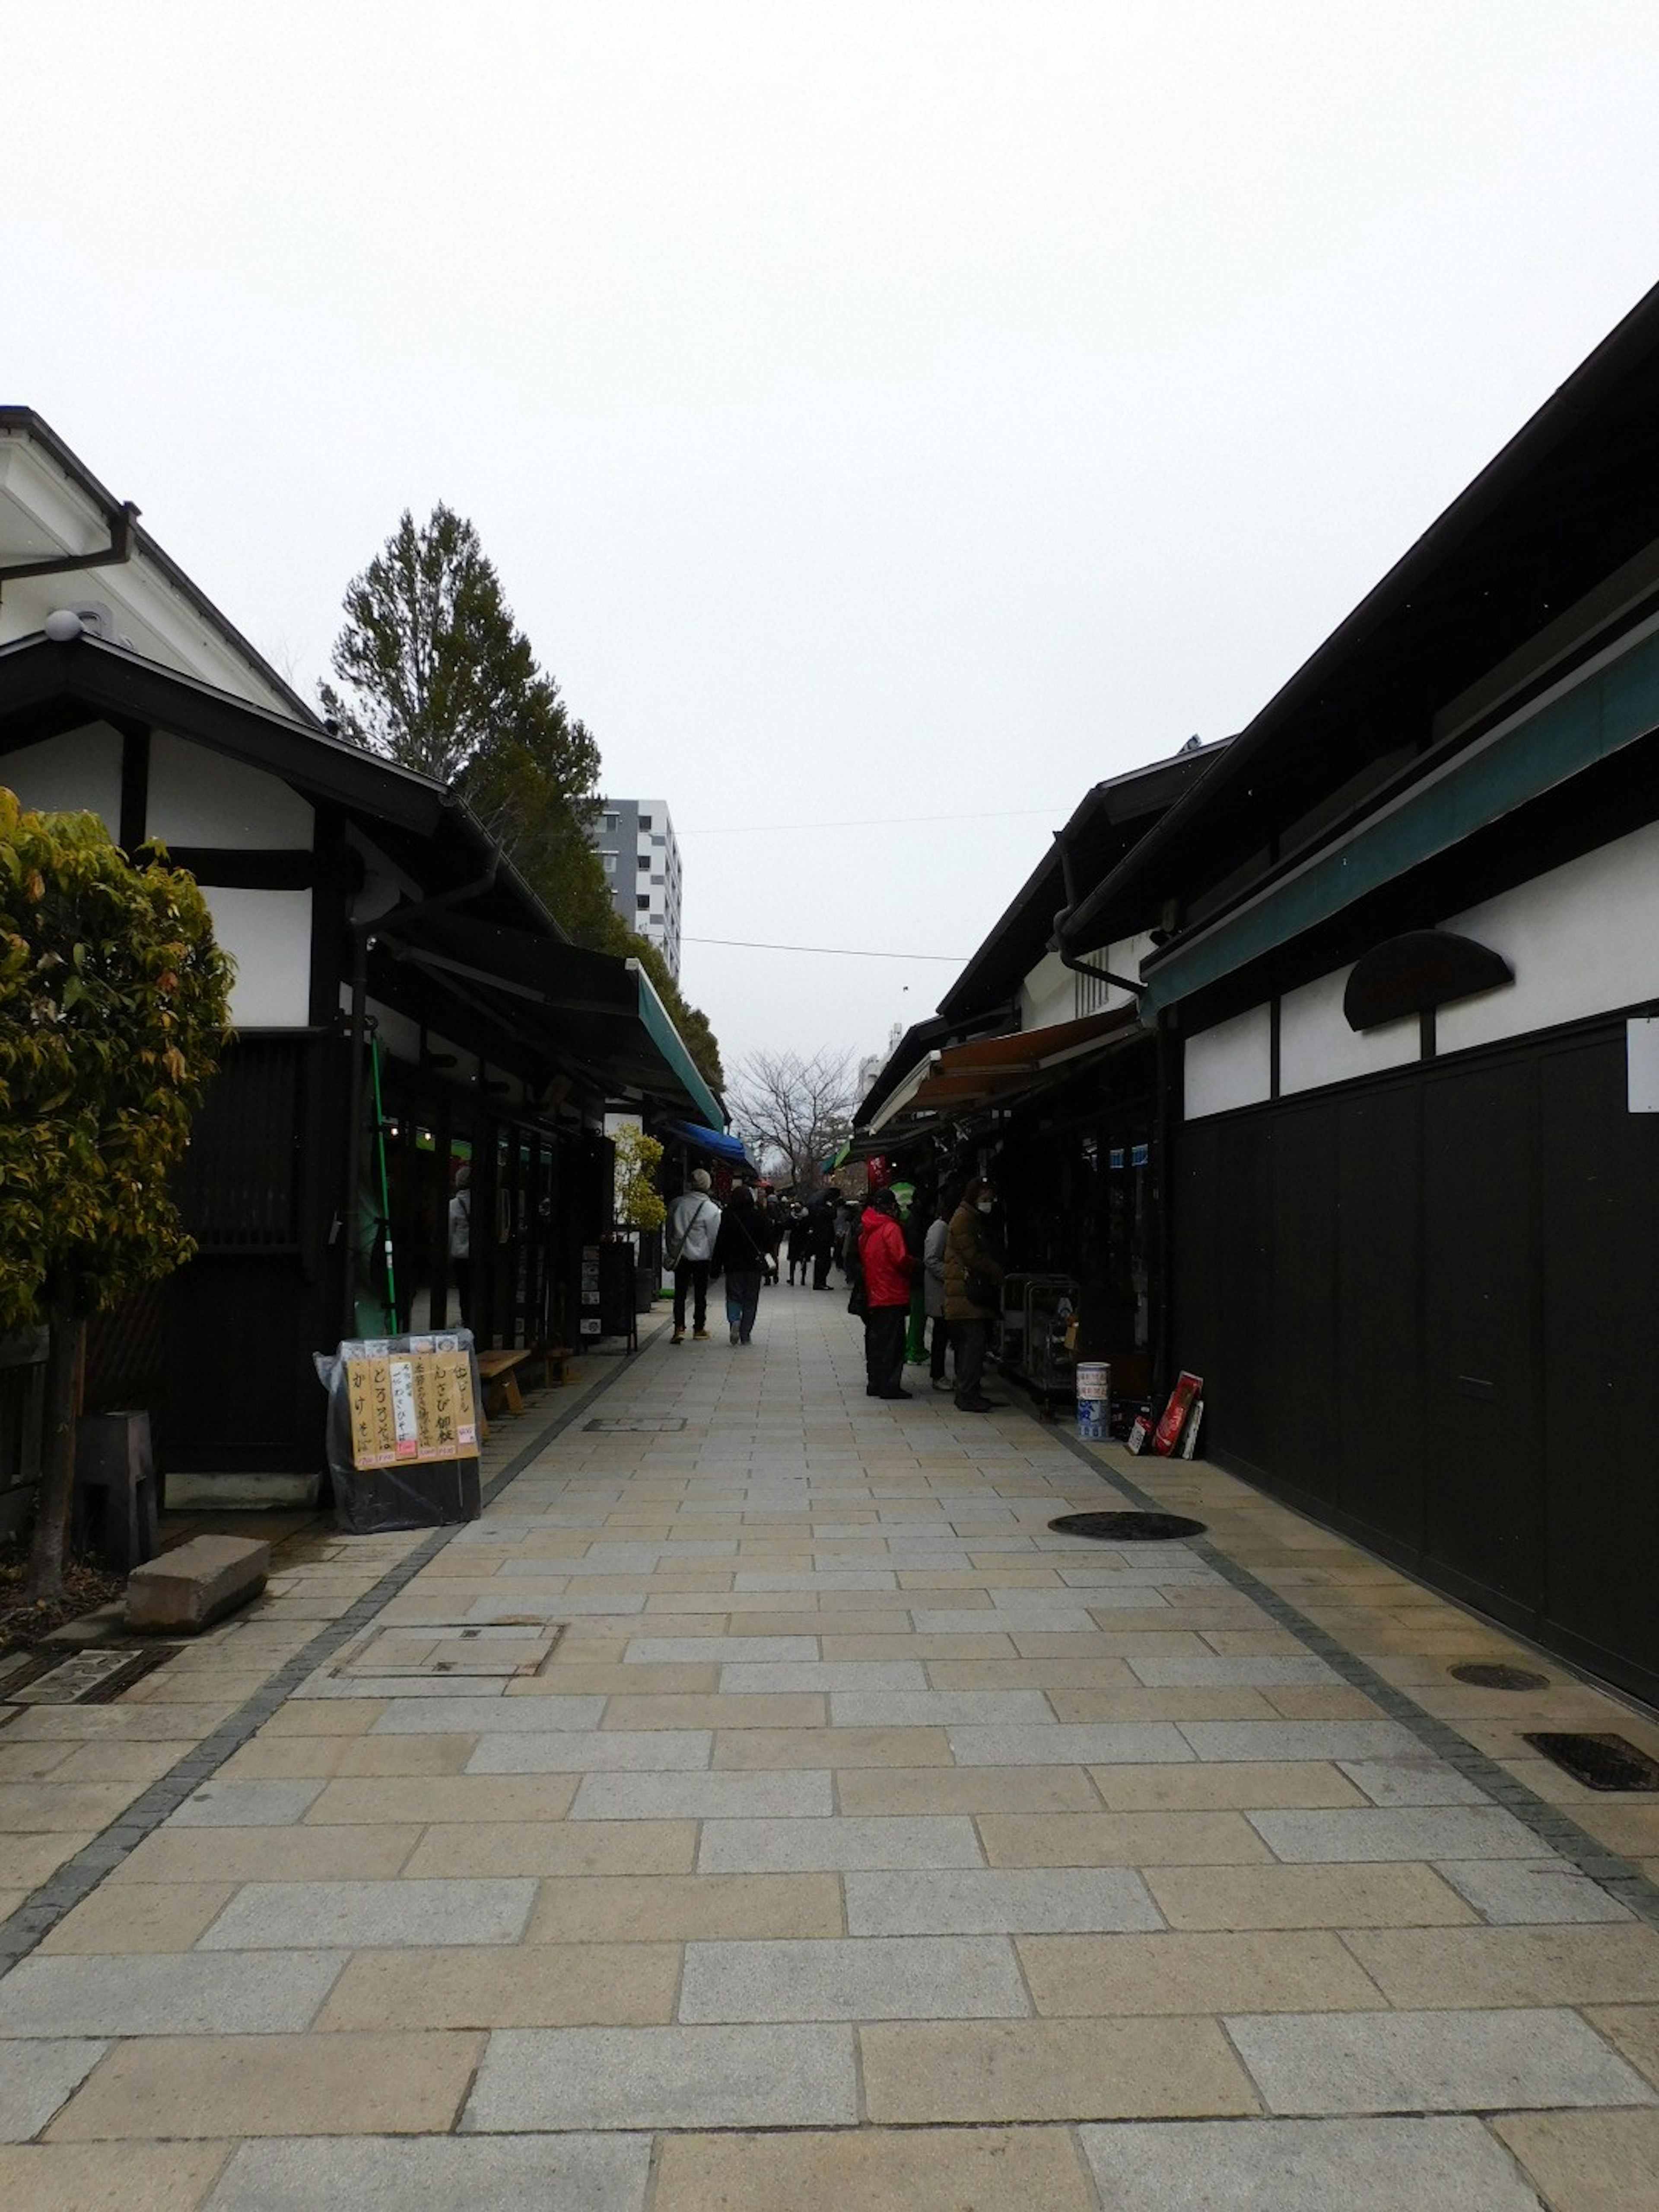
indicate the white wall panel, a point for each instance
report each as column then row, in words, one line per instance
column 80, row 770
column 1583, row 940
column 1230, row 1065
column 1316, row 1046
column 200, row 798
column 268, row 934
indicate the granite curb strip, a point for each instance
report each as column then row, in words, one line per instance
column 74, row 1881
column 1552, row 1827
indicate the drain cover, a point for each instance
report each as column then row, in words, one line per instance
column 1126, row 1528
column 88, row 1677
column 621, row 1428
column 1492, row 1674
column 1600, row 1762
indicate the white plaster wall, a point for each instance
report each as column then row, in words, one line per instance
column 268, row 935
column 77, row 770
column 1229, row 1066
column 1046, row 994
column 199, row 798
column 1582, row 939
column 1316, row 1046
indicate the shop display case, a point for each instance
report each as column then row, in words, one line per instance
column 1039, row 1333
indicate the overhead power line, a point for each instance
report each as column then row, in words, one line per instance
column 837, row 951
column 869, row 822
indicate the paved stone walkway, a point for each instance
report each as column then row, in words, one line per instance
column 854, row 1842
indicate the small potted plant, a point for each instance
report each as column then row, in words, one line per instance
column 640, row 1208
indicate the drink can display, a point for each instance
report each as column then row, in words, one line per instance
column 1094, row 1399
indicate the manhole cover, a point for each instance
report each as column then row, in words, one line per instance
column 621, row 1428
column 86, row 1678
column 1600, row 1762
column 497, row 1651
column 1491, row 1674
column 1127, row 1527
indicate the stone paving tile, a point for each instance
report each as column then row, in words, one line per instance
column 1633, row 2030
column 108, row 2177
column 1050, row 2070
column 473, row 1716
column 445, row 2173
column 832, row 1748
column 317, row 1716
column 1184, row 1673
column 975, row 1901
column 141, row 1916
column 1540, row 1891
column 1385, row 1896
column 665, row 2077
column 865, row 1977
column 356, row 1802
column 1421, row 1780
column 1452, row 1832
column 350, row 1915
column 1033, row 1614
column 1126, row 1742
column 1028, row 1789
column 871, row 2170
column 703, row 1796
column 1418, row 1969
column 657, row 1651
column 714, row 1712
column 797, row 1846
column 204, row 2087
column 941, row 1709
column 594, row 1751
column 540, row 1847
column 739, row 1678
column 1247, row 1787
column 37, row 2078
column 1589, row 2161
column 282, row 1759
column 221, row 1804
column 628, row 1909
column 1126, row 1975
column 190, row 1993
column 1462, row 2061
column 1304, row 2165
column 70, row 1808
column 1091, row 1839
column 579, row 1985
column 1277, row 1739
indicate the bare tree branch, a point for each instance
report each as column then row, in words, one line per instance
column 794, row 1111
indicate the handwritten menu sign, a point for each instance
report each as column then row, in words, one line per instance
column 409, row 1405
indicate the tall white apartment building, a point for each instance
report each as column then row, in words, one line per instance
column 641, row 859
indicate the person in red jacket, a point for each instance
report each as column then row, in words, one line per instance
column 887, row 1268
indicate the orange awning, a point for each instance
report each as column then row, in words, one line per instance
column 988, row 1070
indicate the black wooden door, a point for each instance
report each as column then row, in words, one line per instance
column 1380, row 1313
column 1483, row 1397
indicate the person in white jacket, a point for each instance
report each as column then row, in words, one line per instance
column 933, row 1264
column 694, row 1223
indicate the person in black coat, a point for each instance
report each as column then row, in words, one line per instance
column 822, row 1216
column 742, row 1253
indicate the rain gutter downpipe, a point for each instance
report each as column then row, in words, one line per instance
column 362, row 935
column 1067, row 959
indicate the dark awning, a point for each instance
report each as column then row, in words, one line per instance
column 715, row 1142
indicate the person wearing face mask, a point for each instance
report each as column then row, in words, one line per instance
column 973, row 1281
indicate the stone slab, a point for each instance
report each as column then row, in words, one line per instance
column 1588, row 2161
column 941, row 1709
column 739, row 1678
column 1304, row 2165
column 798, row 1846
column 190, row 1993
column 359, row 1915
column 443, row 2173
column 1541, row 1892
column 1127, row 1976
column 714, row 1797
column 873, row 2170
column 851, row 1979
column 1423, row 1781
column 705, row 1650
column 107, row 2177
column 1277, row 1739
column 595, row 1751
column 576, row 1984
column 980, row 2072
column 196, row 1583
column 678, row 1908
column 219, row 1804
column 472, row 1716
column 1431, row 2062
column 665, row 2077
column 1181, row 1673
column 1424, row 1832
column 37, row 2078
column 1419, row 1968
column 1062, row 1744
column 979, row 1900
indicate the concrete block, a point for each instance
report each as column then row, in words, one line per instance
column 196, row 1583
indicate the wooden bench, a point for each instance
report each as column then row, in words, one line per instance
column 553, row 1358
column 501, row 1383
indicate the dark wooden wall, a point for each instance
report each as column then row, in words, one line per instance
column 1425, row 1308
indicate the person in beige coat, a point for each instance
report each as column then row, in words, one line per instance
column 973, row 1277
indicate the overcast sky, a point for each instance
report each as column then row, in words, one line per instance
column 883, row 410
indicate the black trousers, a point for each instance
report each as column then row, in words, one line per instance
column 822, row 1256
column 972, row 1339
column 692, row 1275
column 884, row 1348
column 944, row 1335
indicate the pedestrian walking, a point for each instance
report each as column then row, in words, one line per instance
column 973, row 1281
column 821, row 1215
column 694, row 1222
column 932, row 1285
column 885, row 1267
column 801, row 1244
column 740, row 1255
column 460, row 1242
column 914, row 1215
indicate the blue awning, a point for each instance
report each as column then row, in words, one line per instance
column 714, row 1142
